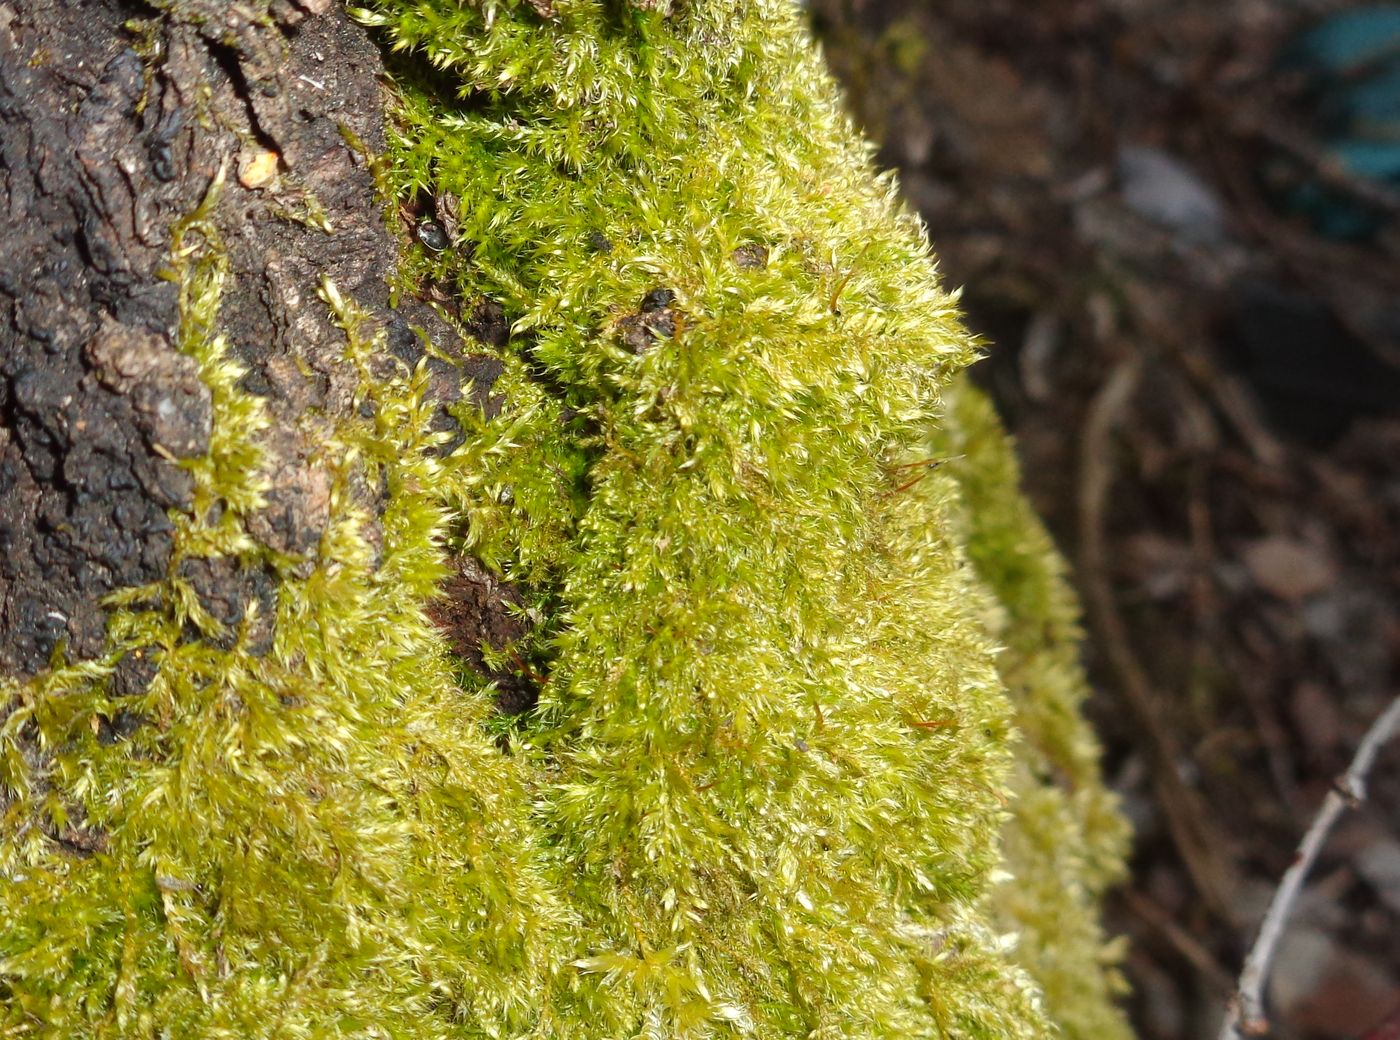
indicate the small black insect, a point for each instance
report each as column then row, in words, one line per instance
column 657, row 300
column 162, row 158
column 433, row 236
column 161, row 149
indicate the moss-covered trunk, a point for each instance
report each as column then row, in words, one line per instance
column 497, row 547
column 119, row 122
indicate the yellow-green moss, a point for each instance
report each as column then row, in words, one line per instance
column 764, row 789
column 1065, row 841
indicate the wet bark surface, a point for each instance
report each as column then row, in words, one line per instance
column 92, row 383
column 115, row 120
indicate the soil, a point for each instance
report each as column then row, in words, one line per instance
column 1206, row 397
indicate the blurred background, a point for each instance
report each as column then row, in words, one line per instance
column 1177, row 223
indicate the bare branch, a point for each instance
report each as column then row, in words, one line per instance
column 1188, row 819
column 1246, row 1014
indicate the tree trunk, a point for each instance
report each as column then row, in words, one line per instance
column 117, row 122
column 653, row 426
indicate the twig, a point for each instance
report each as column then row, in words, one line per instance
column 1246, row 1014
column 1183, row 942
column 1187, row 819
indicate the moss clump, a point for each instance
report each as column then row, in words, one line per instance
column 764, row 788
column 1064, row 842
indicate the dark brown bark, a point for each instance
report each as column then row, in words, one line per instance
column 115, row 118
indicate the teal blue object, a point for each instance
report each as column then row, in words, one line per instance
column 1371, row 160
column 1369, row 108
column 1347, row 43
column 1352, row 64
column 1333, row 213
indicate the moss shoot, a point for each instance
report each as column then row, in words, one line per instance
column 807, row 759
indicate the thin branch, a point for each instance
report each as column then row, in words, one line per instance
column 1246, row 1014
column 1187, row 819
column 1179, row 939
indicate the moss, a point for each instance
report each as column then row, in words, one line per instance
column 320, row 840
column 765, row 789
column 1065, row 842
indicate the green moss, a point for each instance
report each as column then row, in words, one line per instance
column 765, row 788
column 317, row 841
column 1065, row 842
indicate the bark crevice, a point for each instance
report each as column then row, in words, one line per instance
column 114, row 122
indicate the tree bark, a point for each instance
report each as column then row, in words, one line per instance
column 730, row 526
column 118, row 118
